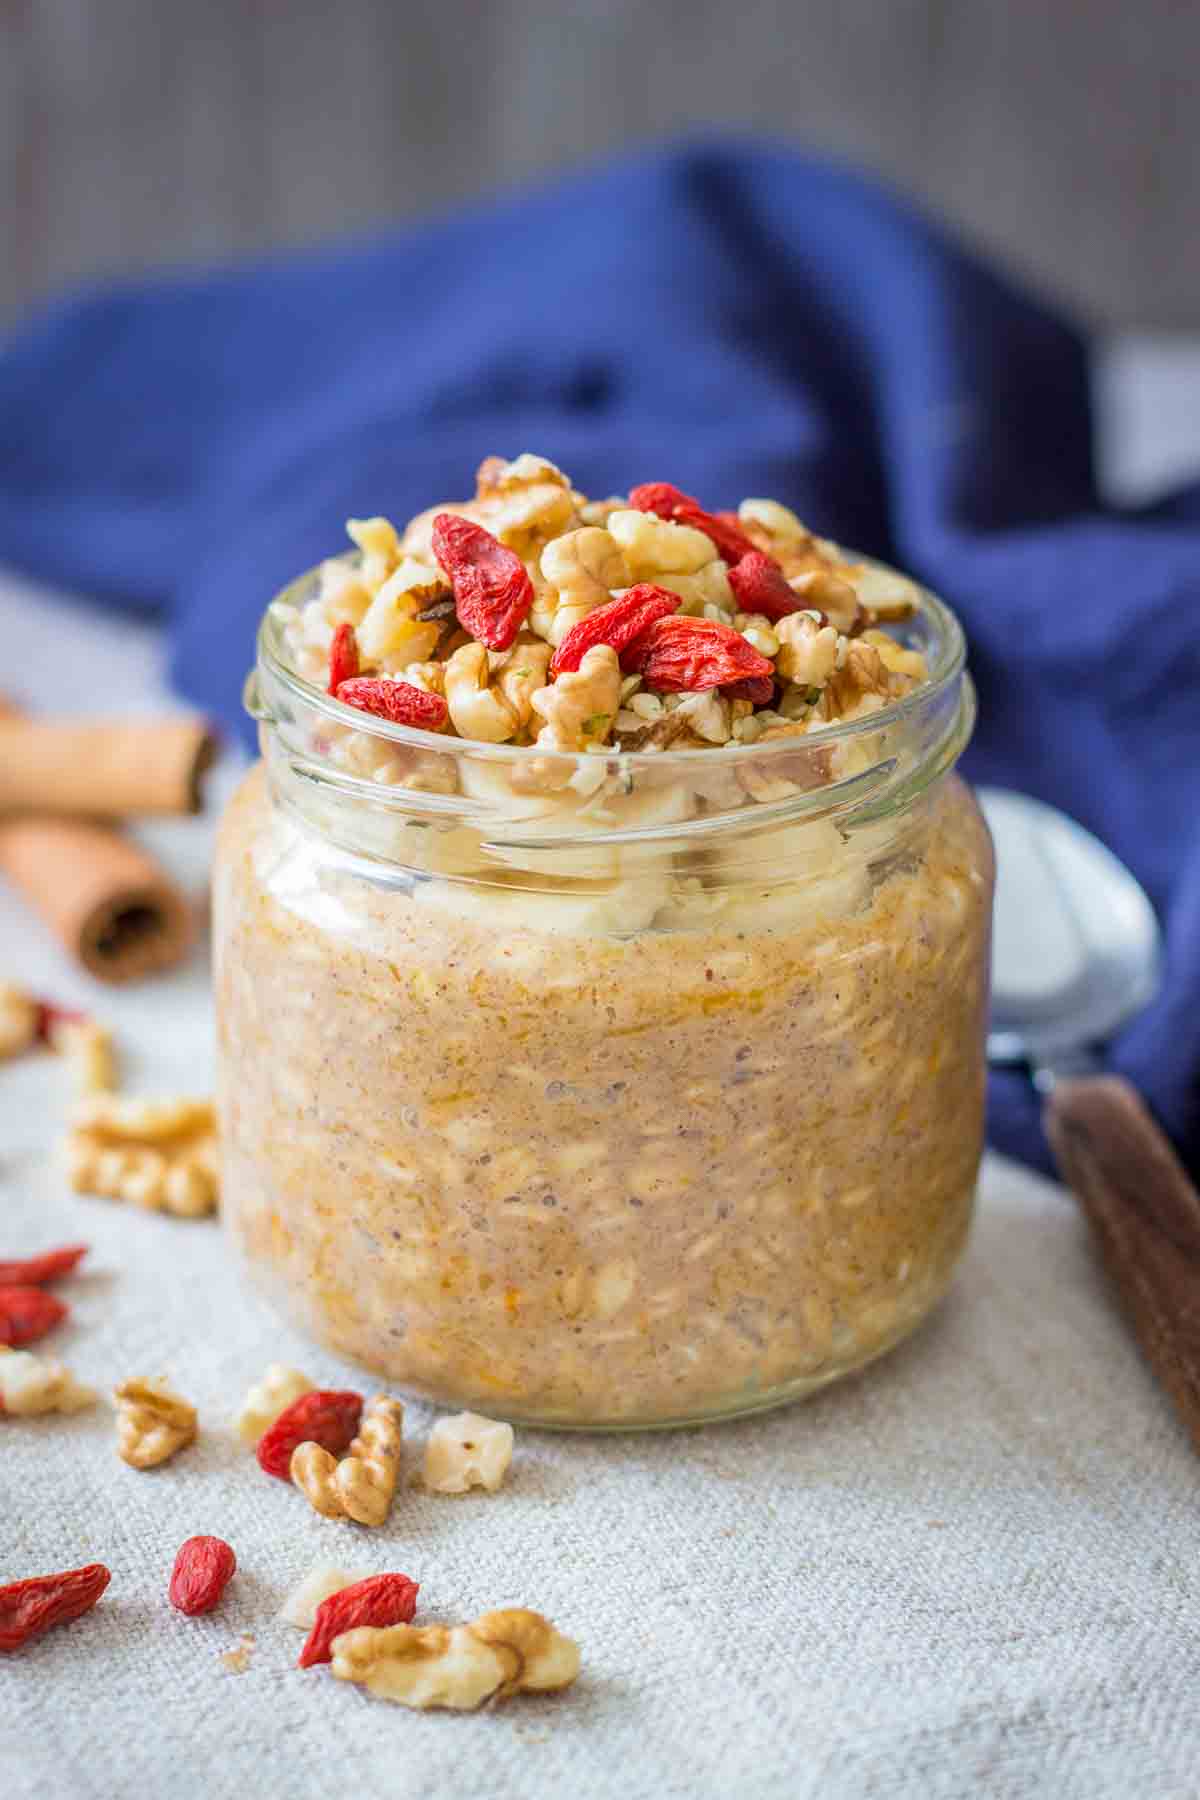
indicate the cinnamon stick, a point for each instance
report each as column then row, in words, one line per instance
column 94, row 768
column 102, row 895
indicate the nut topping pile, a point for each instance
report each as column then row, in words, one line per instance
column 532, row 615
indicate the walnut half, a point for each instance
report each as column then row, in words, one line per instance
column 459, row 1666
column 159, row 1154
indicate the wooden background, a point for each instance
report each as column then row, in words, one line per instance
column 1062, row 134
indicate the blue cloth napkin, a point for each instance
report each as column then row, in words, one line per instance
column 728, row 316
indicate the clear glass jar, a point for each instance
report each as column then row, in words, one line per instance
column 611, row 1090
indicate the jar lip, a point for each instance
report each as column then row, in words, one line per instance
column 948, row 642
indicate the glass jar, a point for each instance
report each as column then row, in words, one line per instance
column 610, row 1090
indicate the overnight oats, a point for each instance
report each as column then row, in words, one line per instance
column 602, row 955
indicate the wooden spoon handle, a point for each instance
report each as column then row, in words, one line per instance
column 1146, row 1213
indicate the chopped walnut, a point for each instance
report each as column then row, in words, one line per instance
column 322, row 1580
column 158, row 1154
column 152, row 1423
column 392, row 633
column 19, row 1016
column 808, row 650
column 829, row 594
column 477, row 710
column 524, row 671
column 655, row 546
column 459, row 1666
column 580, row 707
column 524, row 503
column 380, row 546
column 706, row 592
column 895, row 658
column 264, row 1402
column 779, row 523
column 32, row 1384
column 862, row 684
column 362, row 1484
column 465, row 1451
column 583, row 568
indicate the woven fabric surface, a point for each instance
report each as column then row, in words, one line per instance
column 971, row 1571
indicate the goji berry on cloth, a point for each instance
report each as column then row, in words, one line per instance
column 27, row 1314
column 203, row 1570
column 685, row 655
column 326, row 1416
column 669, row 502
column 31, row 1271
column 343, row 657
column 492, row 589
column 27, row 1608
column 379, row 1600
column 398, row 701
column 759, row 587
column 619, row 624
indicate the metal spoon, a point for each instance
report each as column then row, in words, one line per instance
column 1076, row 952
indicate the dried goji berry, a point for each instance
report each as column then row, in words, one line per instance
column 685, row 655
column 758, row 689
column 398, row 701
column 379, row 1600
column 33, row 1270
column 492, row 589
column 343, row 657
column 203, row 1570
column 27, row 1608
column 670, row 502
column 759, row 586
column 327, row 1416
column 618, row 623
column 27, row 1314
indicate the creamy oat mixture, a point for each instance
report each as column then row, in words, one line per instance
column 607, row 1132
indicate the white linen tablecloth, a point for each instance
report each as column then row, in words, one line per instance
column 973, row 1571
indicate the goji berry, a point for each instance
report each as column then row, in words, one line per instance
column 398, row 701
column 27, row 1608
column 203, row 1570
column 343, row 657
column 379, row 1600
column 685, row 655
column 670, row 502
column 759, row 586
column 618, row 623
column 492, row 589
column 33, row 1270
column 27, row 1314
column 327, row 1416
column 758, row 689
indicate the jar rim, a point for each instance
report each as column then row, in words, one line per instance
column 948, row 643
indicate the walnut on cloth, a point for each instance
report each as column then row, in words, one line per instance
column 158, row 1154
column 502, row 1653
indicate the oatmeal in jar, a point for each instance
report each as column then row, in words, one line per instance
column 603, row 955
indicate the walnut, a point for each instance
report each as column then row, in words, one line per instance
column 830, row 594
column 466, row 1451
column 19, row 1018
column 580, row 707
column 32, row 1384
column 777, row 523
column 895, row 658
column 159, row 1154
column 707, row 587
column 477, row 710
column 862, row 685
column 524, row 502
column 807, row 650
column 655, row 546
column 582, row 567
column 152, row 1423
column 391, row 631
column 458, row 1666
column 279, row 1387
column 322, row 1580
column 380, row 546
column 362, row 1484
column 524, row 671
